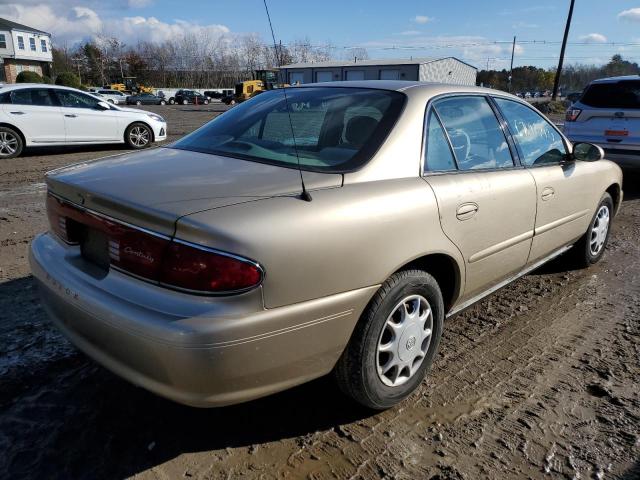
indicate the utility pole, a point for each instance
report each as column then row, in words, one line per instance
column 556, row 82
column 513, row 51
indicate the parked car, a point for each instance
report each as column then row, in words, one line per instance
column 208, row 273
column 608, row 114
column 573, row 97
column 212, row 94
column 146, row 99
column 113, row 96
column 185, row 97
column 39, row 115
column 527, row 95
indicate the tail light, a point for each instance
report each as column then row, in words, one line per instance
column 572, row 114
column 154, row 257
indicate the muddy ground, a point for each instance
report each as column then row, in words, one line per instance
column 539, row 381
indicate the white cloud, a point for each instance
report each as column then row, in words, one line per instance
column 76, row 24
column 594, row 38
column 631, row 15
column 409, row 33
column 422, row 19
column 519, row 25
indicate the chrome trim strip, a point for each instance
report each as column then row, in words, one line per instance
column 561, row 221
column 498, row 247
column 174, row 240
column 522, row 273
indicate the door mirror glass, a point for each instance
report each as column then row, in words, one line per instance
column 587, row 152
column 103, row 106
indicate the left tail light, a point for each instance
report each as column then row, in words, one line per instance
column 157, row 258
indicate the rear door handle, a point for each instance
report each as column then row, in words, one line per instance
column 70, row 115
column 547, row 193
column 466, row 210
column 16, row 113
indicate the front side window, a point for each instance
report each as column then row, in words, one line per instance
column 32, row 44
column 328, row 129
column 3, row 41
column 476, row 136
column 438, row 155
column 32, row 96
column 71, row 99
column 20, row 42
column 43, row 45
column 537, row 141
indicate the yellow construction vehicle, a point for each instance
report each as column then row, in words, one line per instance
column 263, row 80
column 130, row 86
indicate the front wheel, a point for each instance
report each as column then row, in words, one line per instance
column 206, row 102
column 395, row 341
column 10, row 143
column 162, row 102
column 138, row 102
column 590, row 248
column 138, row 136
column 172, row 101
column 185, row 102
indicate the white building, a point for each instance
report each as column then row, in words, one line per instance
column 442, row 70
column 23, row 48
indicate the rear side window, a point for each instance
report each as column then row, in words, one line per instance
column 476, row 136
column 32, row 96
column 624, row 94
column 438, row 155
column 539, row 143
column 328, row 129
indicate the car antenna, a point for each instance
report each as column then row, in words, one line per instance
column 305, row 195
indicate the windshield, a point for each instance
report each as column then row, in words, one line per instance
column 331, row 129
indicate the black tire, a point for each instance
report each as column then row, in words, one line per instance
column 357, row 369
column 185, row 102
column 582, row 254
column 162, row 102
column 172, row 101
column 206, row 102
column 11, row 144
column 111, row 101
column 131, row 140
column 138, row 102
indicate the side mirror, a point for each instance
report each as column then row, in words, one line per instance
column 103, row 106
column 587, row 152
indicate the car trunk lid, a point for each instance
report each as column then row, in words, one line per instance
column 153, row 188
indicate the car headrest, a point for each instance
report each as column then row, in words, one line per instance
column 359, row 129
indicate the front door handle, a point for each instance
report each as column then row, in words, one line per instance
column 70, row 115
column 466, row 211
column 548, row 193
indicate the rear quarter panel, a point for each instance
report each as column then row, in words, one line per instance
column 346, row 238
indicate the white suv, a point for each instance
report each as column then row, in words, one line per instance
column 608, row 114
column 113, row 96
column 44, row 115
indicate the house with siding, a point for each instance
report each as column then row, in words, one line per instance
column 23, row 48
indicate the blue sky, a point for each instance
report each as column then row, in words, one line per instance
column 464, row 28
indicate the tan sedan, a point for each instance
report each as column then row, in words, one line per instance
column 325, row 228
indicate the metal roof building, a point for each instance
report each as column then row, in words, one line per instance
column 443, row 70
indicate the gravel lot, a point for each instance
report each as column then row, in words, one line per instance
column 539, row 381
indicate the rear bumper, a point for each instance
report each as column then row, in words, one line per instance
column 200, row 351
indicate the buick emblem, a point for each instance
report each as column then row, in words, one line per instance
column 411, row 342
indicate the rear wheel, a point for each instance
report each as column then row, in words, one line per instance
column 10, row 143
column 138, row 102
column 590, row 248
column 206, row 102
column 162, row 102
column 172, row 101
column 184, row 102
column 395, row 341
column 138, row 135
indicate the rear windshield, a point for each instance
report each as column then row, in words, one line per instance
column 624, row 94
column 329, row 129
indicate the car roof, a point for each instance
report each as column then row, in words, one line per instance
column 18, row 86
column 616, row 79
column 423, row 88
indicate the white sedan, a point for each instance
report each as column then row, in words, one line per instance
column 44, row 115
